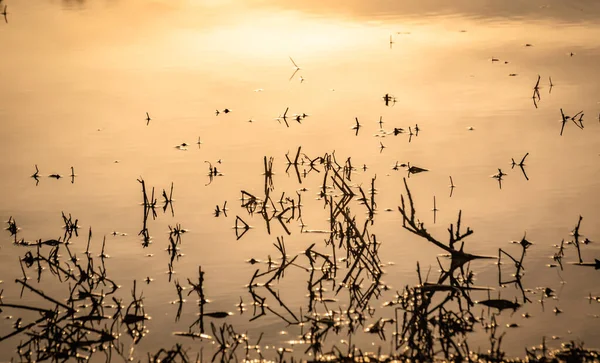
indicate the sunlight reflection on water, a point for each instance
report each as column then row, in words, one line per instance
column 79, row 77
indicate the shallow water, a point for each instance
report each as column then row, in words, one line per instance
column 78, row 78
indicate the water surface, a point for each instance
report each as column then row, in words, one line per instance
column 78, row 78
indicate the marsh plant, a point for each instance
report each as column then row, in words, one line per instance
column 92, row 317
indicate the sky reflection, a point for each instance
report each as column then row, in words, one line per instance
column 81, row 75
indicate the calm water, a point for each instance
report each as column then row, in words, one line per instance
column 78, row 78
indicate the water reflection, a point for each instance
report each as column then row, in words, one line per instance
column 125, row 81
column 549, row 10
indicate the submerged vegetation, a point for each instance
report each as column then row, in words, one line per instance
column 431, row 320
